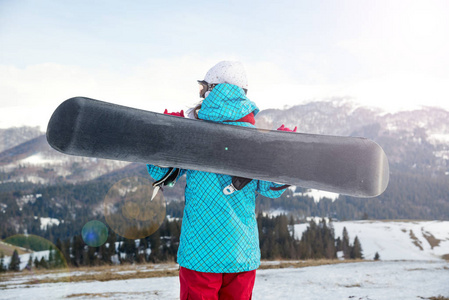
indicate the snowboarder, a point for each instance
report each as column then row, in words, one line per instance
column 219, row 244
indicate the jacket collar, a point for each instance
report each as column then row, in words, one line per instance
column 227, row 103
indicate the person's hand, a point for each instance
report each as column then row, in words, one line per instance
column 283, row 128
column 177, row 114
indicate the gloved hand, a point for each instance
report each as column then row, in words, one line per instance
column 283, row 128
column 177, row 114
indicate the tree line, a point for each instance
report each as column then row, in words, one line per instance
column 408, row 196
column 277, row 240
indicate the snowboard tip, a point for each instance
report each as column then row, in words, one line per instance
column 62, row 125
column 381, row 174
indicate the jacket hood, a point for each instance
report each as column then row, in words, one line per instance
column 227, row 102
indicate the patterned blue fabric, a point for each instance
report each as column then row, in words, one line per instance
column 227, row 102
column 219, row 232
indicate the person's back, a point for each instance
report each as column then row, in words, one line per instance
column 219, row 245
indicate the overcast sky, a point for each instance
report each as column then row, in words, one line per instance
column 149, row 54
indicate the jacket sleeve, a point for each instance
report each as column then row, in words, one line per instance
column 158, row 172
column 270, row 189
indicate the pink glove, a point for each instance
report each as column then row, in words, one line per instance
column 177, row 114
column 283, row 128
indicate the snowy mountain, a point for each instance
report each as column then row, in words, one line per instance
column 14, row 136
column 33, row 160
column 415, row 141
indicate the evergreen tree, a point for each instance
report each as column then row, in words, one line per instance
column 130, row 250
column 330, row 250
column 155, row 244
column 59, row 252
column 376, row 256
column 59, row 260
column 66, row 251
column 91, row 257
column 77, row 251
column 140, row 251
column 338, row 244
column 104, row 254
column 36, row 263
column 318, row 242
column 29, row 265
column 112, row 240
column 2, row 262
column 43, row 263
column 51, row 258
column 356, row 251
column 14, row 265
column 345, row 246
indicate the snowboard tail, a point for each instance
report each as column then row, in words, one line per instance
column 346, row 165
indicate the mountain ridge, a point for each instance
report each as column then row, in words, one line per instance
column 414, row 141
column 38, row 182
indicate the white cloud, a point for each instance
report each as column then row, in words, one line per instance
column 49, row 84
column 399, row 91
column 29, row 95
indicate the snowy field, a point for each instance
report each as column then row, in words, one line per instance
column 411, row 267
column 365, row 280
column 396, row 240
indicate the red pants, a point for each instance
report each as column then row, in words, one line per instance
column 213, row 286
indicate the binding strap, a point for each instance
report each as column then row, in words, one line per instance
column 237, row 184
column 285, row 186
column 169, row 178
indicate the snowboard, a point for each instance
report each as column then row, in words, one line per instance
column 346, row 165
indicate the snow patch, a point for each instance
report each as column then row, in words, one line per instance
column 45, row 222
column 39, row 160
column 317, row 220
column 437, row 138
column 317, row 195
column 442, row 154
column 275, row 213
column 24, row 258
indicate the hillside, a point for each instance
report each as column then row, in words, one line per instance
column 14, row 136
column 38, row 183
column 36, row 162
column 8, row 249
column 396, row 240
column 414, row 141
column 392, row 240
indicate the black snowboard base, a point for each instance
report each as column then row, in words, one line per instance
column 346, row 165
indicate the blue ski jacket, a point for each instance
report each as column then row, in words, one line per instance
column 219, row 232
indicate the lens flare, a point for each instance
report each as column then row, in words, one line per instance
column 39, row 253
column 129, row 210
column 94, row 233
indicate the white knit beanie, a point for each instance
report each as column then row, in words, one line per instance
column 231, row 72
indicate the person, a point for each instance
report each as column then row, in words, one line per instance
column 219, row 244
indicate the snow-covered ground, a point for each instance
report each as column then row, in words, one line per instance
column 365, row 280
column 396, row 240
column 411, row 267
